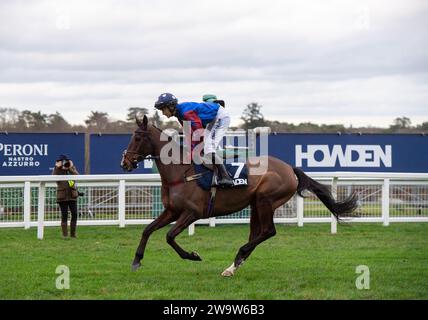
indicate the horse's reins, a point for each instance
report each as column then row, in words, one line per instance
column 138, row 159
column 150, row 157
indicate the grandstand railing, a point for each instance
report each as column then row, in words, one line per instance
column 30, row 201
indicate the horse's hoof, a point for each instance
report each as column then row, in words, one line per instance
column 195, row 256
column 227, row 273
column 135, row 266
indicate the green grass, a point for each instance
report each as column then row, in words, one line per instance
column 298, row 263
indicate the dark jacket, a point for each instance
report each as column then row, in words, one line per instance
column 63, row 191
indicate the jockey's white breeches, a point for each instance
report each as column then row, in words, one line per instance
column 215, row 131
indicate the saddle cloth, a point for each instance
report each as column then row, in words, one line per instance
column 237, row 170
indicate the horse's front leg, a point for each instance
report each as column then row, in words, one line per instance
column 182, row 223
column 166, row 217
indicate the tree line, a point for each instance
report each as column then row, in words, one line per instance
column 12, row 120
column 253, row 117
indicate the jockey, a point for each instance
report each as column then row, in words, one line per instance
column 212, row 98
column 203, row 115
column 209, row 98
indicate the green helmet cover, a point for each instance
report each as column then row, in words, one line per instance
column 209, row 97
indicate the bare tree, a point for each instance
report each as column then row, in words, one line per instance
column 135, row 111
column 8, row 118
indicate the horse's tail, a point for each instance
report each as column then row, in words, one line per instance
column 337, row 208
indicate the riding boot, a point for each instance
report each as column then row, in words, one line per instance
column 64, row 229
column 73, row 229
column 225, row 180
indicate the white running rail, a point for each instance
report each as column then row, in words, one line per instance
column 29, row 201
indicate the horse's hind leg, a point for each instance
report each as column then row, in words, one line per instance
column 166, row 217
column 266, row 229
column 254, row 223
column 182, row 223
column 255, row 228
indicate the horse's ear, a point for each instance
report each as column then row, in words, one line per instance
column 142, row 123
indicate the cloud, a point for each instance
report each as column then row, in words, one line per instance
column 299, row 59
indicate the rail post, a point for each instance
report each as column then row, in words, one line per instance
column 41, row 210
column 192, row 229
column 121, row 202
column 299, row 209
column 385, row 202
column 212, row 222
column 27, row 204
column 334, row 194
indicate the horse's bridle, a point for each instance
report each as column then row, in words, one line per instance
column 138, row 159
column 135, row 161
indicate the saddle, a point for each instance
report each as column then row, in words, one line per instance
column 206, row 179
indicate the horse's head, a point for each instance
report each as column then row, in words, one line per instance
column 139, row 147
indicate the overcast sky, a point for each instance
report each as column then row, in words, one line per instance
column 351, row 62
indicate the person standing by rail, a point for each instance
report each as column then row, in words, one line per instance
column 66, row 194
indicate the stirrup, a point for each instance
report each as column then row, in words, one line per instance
column 222, row 183
column 225, row 183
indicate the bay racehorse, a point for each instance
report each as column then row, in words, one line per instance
column 186, row 202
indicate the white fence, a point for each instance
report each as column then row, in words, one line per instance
column 135, row 199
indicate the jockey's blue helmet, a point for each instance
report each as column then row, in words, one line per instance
column 166, row 100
